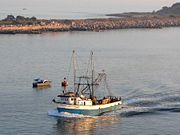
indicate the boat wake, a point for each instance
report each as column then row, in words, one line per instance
column 150, row 104
column 156, row 103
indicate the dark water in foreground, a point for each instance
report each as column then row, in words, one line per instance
column 143, row 67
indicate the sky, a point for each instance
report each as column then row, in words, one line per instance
column 109, row 5
column 53, row 7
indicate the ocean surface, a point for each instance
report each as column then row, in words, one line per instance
column 143, row 66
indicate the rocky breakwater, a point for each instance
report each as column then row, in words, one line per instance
column 33, row 29
column 125, row 23
column 12, row 25
column 20, row 24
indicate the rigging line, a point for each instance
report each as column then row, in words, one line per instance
column 74, row 69
column 131, row 93
column 79, row 70
column 69, row 69
column 84, row 71
column 92, row 75
column 107, row 86
column 87, row 72
column 88, row 66
column 77, row 64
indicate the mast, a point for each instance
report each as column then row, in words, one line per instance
column 92, row 75
column 74, row 69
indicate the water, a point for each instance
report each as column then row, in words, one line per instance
column 68, row 9
column 142, row 66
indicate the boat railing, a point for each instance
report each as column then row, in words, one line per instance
column 115, row 98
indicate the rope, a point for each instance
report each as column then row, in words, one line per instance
column 69, row 69
column 107, row 86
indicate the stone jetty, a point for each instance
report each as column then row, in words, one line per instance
column 36, row 26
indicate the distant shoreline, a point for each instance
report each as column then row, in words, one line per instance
column 37, row 26
column 165, row 17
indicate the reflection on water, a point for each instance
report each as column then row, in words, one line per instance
column 85, row 125
column 42, row 88
column 142, row 105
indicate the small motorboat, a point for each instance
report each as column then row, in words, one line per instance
column 41, row 83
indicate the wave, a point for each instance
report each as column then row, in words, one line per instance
column 131, row 111
column 151, row 104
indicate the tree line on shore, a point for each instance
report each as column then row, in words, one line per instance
column 10, row 19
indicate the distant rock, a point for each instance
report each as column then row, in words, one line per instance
column 20, row 18
column 10, row 18
column 33, row 18
column 173, row 10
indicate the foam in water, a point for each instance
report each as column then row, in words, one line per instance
column 153, row 103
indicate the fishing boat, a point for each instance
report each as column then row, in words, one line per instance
column 85, row 97
column 39, row 83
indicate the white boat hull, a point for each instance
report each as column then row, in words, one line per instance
column 92, row 110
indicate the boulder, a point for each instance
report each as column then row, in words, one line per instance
column 10, row 18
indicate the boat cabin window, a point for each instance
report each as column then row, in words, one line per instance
column 72, row 99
